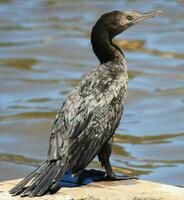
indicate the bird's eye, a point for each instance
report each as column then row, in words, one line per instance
column 129, row 17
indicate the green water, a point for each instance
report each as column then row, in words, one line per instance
column 45, row 51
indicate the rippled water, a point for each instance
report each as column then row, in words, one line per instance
column 45, row 51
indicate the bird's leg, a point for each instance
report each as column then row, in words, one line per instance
column 111, row 176
column 104, row 156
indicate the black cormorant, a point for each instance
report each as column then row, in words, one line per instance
column 86, row 122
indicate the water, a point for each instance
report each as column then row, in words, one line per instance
column 45, row 51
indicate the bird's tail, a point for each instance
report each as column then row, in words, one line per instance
column 41, row 180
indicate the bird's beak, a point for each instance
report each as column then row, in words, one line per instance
column 146, row 16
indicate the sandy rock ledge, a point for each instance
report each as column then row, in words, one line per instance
column 119, row 190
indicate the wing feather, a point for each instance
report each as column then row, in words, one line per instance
column 86, row 120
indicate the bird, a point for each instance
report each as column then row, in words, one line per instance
column 90, row 114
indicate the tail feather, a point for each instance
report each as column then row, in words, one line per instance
column 35, row 182
column 19, row 187
column 44, row 184
column 41, row 180
column 44, row 187
column 56, row 179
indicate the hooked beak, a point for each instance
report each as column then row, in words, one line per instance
column 146, row 16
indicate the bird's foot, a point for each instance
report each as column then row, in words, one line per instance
column 92, row 173
column 116, row 177
column 88, row 176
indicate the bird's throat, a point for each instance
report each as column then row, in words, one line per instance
column 104, row 48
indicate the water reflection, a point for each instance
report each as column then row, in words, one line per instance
column 24, row 64
column 138, row 45
column 45, row 52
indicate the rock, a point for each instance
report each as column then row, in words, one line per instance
column 115, row 190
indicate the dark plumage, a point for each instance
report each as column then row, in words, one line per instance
column 89, row 116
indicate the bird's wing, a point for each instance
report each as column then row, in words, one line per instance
column 81, row 138
column 71, row 118
column 91, row 139
column 86, row 119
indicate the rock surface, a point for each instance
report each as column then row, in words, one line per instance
column 119, row 190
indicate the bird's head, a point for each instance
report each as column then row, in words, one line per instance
column 108, row 26
column 116, row 22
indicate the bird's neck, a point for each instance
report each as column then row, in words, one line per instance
column 104, row 48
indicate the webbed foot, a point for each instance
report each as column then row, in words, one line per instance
column 115, row 177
